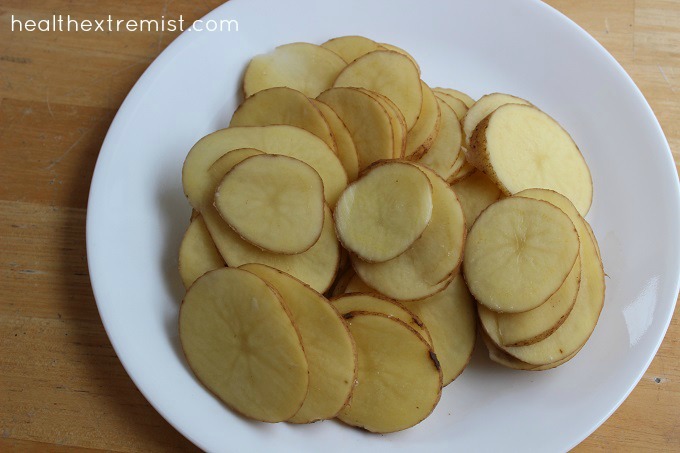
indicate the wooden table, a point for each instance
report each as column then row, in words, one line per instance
column 62, row 387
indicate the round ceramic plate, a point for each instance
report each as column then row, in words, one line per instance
column 137, row 214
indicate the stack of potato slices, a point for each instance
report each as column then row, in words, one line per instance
column 353, row 225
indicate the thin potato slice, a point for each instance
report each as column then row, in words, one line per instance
column 197, row 252
column 450, row 319
column 401, row 51
column 357, row 285
column 225, row 163
column 483, row 107
column 374, row 303
column 305, row 67
column 341, row 282
column 501, row 357
column 520, row 147
column 476, row 193
column 240, row 342
column 518, row 253
column 352, row 47
column 347, row 152
column 420, row 138
column 399, row 130
column 399, row 381
column 328, row 345
column 456, row 104
column 427, row 266
column 445, row 151
column 390, row 74
column 469, row 102
column 463, row 172
column 283, row 105
column 380, row 215
column 368, row 123
column 273, row 202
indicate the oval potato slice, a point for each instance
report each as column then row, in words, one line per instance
column 324, row 336
column 518, row 253
column 463, row 172
column 240, row 342
column 485, row 106
column 456, row 104
column 352, row 47
column 420, row 138
column 501, row 357
column 274, row 202
column 467, row 100
column 476, row 193
column 401, row 51
column 399, row 381
column 390, row 74
column 305, row 67
column 399, row 129
column 520, row 147
column 380, row 215
column 445, row 150
column 347, row 152
column 197, row 252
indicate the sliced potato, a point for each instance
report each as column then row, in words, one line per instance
column 328, row 345
column 274, row 202
column 469, row 102
column 240, row 342
column 344, row 277
column 368, row 123
column 283, row 105
column 390, row 74
column 483, row 107
column 501, row 357
column 399, row 130
column 352, row 47
column 518, row 253
column 305, row 67
column 373, row 303
column 463, row 172
column 456, row 104
column 380, row 215
column 356, row 285
column 427, row 266
column 450, row 319
column 445, row 150
column 401, row 51
column 476, row 193
column 399, row 381
column 420, row 138
column 197, row 252
column 347, row 152
column 519, row 147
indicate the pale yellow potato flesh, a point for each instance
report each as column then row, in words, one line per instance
column 420, row 138
column 463, row 172
column 521, row 329
column 399, row 381
column 427, row 266
column 347, row 152
column 374, row 303
column 352, row 47
column 467, row 100
column 518, row 253
column 344, row 276
column 221, row 166
column 519, row 147
column 445, row 150
column 450, row 319
column 239, row 340
column 394, row 48
column 197, row 252
column 391, row 74
column 483, row 107
column 328, row 345
column 476, row 193
column 368, row 123
column 305, row 67
column 456, row 104
column 501, row 357
column 399, row 130
column 283, row 105
column 274, row 202
column 380, row 215
column 356, row 285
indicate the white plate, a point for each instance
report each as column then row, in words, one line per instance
column 137, row 214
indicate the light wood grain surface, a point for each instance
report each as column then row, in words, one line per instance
column 62, row 388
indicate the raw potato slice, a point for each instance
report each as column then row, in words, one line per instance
column 240, row 342
column 501, row 357
column 282, row 105
column 469, row 102
column 445, row 150
column 347, row 152
column 521, row 329
column 518, row 253
column 420, row 138
column 450, row 318
column 476, row 193
column 273, row 202
column 456, row 104
column 483, row 107
column 401, row 51
column 373, row 303
column 399, row 130
column 366, row 119
column 305, row 67
column 520, row 147
column 380, row 215
column 328, row 345
column 197, row 253
column 352, row 47
column 427, row 266
column 225, row 163
column 399, row 381
column 390, row 74
column 356, row 285
column 340, row 284
column 463, row 172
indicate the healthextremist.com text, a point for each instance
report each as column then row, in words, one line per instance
column 59, row 22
